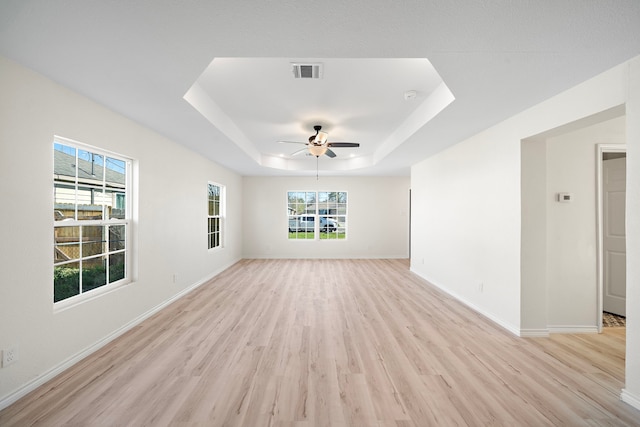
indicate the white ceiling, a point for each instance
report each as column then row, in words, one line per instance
column 142, row 57
column 257, row 103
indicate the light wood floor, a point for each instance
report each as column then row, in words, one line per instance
column 332, row 343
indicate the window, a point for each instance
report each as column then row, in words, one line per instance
column 91, row 219
column 215, row 214
column 321, row 215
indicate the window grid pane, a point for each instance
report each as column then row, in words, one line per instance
column 117, row 266
column 94, row 273
column 88, row 187
column 312, row 215
column 66, row 281
column 214, row 238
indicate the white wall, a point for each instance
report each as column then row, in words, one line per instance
column 466, row 222
column 571, row 227
column 631, row 393
column 378, row 218
column 470, row 227
column 170, row 226
column 559, row 264
column 533, row 254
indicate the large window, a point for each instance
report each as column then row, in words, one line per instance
column 317, row 215
column 215, row 215
column 91, row 219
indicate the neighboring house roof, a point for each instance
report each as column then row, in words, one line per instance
column 64, row 166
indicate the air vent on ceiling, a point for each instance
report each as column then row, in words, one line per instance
column 307, row 71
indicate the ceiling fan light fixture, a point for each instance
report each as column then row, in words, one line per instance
column 317, row 150
column 321, row 137
column 318, row 144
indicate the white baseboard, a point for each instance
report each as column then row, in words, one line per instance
column 66, row 364
column 629, row 398
column 573, row 329
column 488, row 315
column 534, row 333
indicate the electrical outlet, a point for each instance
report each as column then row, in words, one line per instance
column 9, row 356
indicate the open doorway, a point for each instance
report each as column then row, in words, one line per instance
column 611, row 235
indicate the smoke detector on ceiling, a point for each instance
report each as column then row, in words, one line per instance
column 312, row 70
column 410, row 94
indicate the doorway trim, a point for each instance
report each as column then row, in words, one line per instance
column 601, row 149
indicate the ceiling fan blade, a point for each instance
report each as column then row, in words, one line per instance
column 300, row 151
column 343, row 144
column 330, row 153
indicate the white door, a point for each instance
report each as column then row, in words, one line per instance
column 614, row 248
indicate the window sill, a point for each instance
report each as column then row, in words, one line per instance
column 74, row 301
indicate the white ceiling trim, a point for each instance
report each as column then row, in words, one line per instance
column 431, row 107
column 202, row 102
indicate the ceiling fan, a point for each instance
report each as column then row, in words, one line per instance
column 318, row 145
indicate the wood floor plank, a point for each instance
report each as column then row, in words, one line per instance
column 301, row 343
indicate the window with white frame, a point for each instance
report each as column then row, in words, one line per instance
column 91, row 196
column 215, row 215
column 317, row 215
